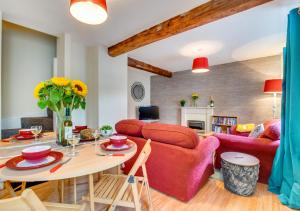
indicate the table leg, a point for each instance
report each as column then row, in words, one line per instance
column 62, row 186
column 75, row 191
column 91, row 188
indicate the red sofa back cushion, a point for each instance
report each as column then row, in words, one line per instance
column 130, row 127
column 171, row 134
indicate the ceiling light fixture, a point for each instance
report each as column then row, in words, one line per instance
column 89, row 11
column 200, row 65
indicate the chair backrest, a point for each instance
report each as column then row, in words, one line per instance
column 28, row 201
column 142, row 158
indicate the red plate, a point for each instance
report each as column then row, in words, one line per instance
column 23, row 137
column 12, row 163
column 106, row 144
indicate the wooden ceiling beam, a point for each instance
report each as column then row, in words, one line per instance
column 148, row 68
column 206, row 13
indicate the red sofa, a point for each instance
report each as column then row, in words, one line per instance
column 264, row 148
column 180, row 163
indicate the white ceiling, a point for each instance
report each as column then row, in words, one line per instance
column 254, row 33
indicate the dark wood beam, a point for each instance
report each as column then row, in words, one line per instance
column 206, row 13
column 148, row 68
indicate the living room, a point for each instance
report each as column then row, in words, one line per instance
column 161, row 105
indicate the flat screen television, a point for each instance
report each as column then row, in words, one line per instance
column 148, row 112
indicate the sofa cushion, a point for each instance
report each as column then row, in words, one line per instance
column 171, row 134
column 258, row 130
column 273, row 131
column 234, row 132
column 130, row 127
column 242, row 128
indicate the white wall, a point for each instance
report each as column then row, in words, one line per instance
column 112, row 88
column 135, row 75
column 0, row 73
column 27, row 59
column 92, row 69
column 78, row 72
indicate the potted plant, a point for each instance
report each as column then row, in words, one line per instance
column 182, row 102
column 59, row 93
column 106, row 130
column 195, row 97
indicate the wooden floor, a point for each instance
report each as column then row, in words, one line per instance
column 212, row 197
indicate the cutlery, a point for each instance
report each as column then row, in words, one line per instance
column 113, row 155
column 55, row 168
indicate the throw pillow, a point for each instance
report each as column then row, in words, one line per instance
column 273, row 131
column 245, row 127
column 258, row 130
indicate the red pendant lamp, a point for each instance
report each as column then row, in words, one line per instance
column 200, row 65
column 89, row 11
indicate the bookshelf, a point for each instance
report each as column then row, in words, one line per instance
column 222, row 124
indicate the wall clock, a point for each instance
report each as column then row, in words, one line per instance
column 137, row 91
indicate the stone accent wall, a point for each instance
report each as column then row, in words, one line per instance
column 237, row 89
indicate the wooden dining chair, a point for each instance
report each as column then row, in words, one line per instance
column 122, row 190
column 8, row 189
column 28, row 201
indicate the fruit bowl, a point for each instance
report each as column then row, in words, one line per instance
column 36, row 152
column 118, row 141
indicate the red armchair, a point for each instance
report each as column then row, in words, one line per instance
column 179, row 164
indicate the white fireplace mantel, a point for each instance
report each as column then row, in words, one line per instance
column 199, row 114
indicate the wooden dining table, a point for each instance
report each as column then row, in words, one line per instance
column 87, row 162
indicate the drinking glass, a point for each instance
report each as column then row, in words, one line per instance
column 96, row 134
column 36, row 130
column 73, row 141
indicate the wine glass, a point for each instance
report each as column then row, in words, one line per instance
column 96, row 134
column 36, row 130
column 73, row 141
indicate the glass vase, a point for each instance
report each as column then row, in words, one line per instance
column 60, row 130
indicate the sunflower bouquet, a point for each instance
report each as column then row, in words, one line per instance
column 60, row 93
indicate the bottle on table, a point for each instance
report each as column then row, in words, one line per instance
column 68, row 128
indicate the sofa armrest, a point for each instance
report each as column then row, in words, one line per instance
column 248, row 144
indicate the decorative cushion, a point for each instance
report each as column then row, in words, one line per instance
column 245, row 127
column 131, row 127
column 273, row 131
column 171, row 134
column 258, row 130
column 234, row 132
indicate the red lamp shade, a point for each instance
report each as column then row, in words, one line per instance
column 89, row 11
column 273, row 86
column 200, row 65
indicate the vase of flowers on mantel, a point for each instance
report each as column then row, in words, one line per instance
column 59, row 94
column 195, row 97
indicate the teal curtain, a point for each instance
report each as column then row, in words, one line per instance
column 285, row 177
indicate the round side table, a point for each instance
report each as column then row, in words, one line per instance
column 240, row 172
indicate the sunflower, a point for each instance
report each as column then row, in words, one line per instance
column 79, row 88
column 37, row 89
column 60, row 81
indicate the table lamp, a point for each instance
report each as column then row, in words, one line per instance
column 273, row 86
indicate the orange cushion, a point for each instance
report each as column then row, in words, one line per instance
column 130, row 127
column 171, row 134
